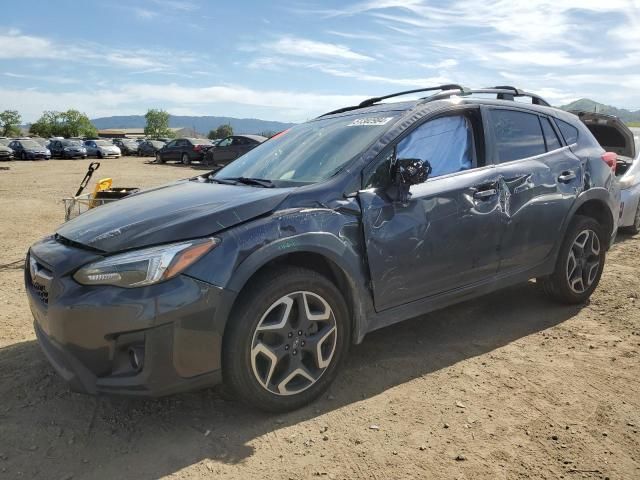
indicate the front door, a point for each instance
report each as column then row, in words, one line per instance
column 447, row 234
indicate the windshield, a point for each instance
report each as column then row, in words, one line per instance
column 310, row 152
column 30, row 144
column 5, row 141
column 71, row 143
column 103, row 143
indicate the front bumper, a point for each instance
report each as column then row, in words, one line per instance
column 629, row 199
column 38, row 156
column 89, row 334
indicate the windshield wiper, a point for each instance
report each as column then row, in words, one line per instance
column 261, row 182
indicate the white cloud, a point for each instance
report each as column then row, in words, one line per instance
column 302, row 47
column 210, row 100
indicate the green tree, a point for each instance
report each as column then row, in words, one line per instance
column 76, row 124
column 157, row 124
column 47, row 125
column 9, row 123
column 222, row 131
column 71, row 123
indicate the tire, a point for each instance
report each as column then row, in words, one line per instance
column 99, row 155
column 574, row 280
column 635, row 228
column 23, row 156
column 316, row 348
column 159, row 158
column 185, row 159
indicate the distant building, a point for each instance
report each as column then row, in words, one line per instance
column 128, row 132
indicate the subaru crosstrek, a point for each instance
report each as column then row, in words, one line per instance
column 262, row 274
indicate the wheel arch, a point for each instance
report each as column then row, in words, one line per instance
column 326, row 255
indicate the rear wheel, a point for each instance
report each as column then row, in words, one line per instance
column 285, row 341
column 579, row 264
column 185, row 159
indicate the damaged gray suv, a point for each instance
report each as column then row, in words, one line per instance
column 262, row 274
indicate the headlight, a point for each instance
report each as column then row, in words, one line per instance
column 629, row 181
column 146, row 266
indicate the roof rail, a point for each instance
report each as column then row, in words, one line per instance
column 371, row 101
column 503, row 92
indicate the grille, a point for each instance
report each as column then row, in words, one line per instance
column 41, row 292
column 39, row 289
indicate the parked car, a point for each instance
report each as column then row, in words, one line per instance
column 42, row 141
column 613, row 135
column 148, row 148
column 67, row 149
column 262, row 274
column 101, row 148
column 230, row 148
column 5, row 152
column 127, row 146
column 27, row 149
column 185, row 150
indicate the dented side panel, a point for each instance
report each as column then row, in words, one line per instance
column 536, row 195
column 443, row 238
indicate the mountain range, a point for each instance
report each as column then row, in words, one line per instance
column 586, row 105
column 253, row 125
column 199, row 124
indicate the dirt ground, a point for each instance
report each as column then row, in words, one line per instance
column 509, row 386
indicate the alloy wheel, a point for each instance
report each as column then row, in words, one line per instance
column 293, row 343
column 583, row 264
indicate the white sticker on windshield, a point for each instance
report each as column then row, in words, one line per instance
column 369, row 121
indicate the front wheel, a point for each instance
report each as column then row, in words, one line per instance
column 185, row 159
column 286, row 339
column 580, row 262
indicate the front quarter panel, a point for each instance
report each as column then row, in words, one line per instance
column 332, row 233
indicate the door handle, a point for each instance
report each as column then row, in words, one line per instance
column 484, row 194
column 567, row 176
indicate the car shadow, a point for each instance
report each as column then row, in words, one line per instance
column 114, row 437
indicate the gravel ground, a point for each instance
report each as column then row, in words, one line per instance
column 508, row 386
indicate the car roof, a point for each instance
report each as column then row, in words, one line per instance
column 257, row 138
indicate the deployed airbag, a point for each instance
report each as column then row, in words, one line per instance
column 445, row 142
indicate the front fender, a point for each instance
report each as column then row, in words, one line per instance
column 246, row 248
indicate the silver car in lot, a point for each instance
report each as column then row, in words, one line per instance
column 101, row 149
column 630, row 190
column 614, row 136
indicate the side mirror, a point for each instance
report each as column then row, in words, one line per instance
column 407, row 172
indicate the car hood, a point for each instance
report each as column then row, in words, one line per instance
column 174, row 212
column 610, row 132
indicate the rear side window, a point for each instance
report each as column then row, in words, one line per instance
column 518, row 135
column 553, row 143
column 569, row 132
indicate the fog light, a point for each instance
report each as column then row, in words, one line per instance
column 136, row 358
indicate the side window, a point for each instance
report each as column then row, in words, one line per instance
column 550, row 135
column 518, row 135
column 446, row 142
column 171, row 144
column 569, row 132
column 225, row 143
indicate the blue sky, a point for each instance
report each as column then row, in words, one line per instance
column 290, row 60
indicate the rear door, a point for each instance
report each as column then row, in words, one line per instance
column 447, row 235
column 540, row 179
